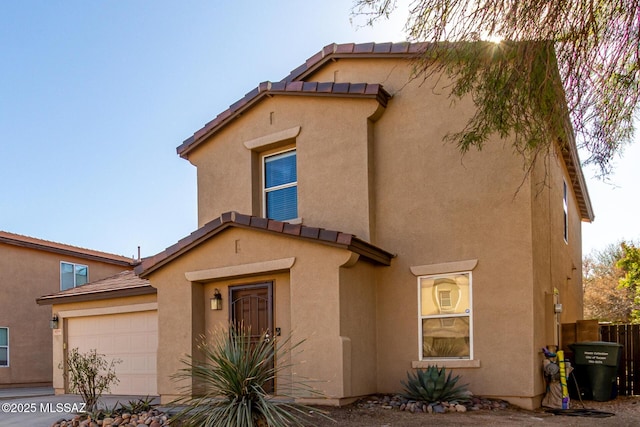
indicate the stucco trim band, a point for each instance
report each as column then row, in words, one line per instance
column 119, row 309
column 272, row 266
column 447, row 267
column 423, row 364
column 265, row 141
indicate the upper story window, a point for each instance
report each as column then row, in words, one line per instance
column 565, row 211
column 72, row 275
column 4, row 347
column 280, row 189
column 445, row 316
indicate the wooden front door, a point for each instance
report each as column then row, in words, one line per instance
column 252, row 309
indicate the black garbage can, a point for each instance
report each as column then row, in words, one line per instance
column 596, row 368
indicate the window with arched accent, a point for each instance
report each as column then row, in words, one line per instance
column 445, row 316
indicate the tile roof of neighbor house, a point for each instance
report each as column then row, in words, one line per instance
column 335, row 51
column 234, row 219
column 125, row 283
column 60, row 248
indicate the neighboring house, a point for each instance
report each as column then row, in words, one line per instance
column 29, row 268
column 330, row 209
column 117, row 317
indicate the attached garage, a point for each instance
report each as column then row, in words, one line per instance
column 131, row 338
column 116, row 316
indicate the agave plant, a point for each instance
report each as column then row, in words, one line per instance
column 231, row 377
column 432, row 385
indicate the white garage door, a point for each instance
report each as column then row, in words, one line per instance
column 130, row 337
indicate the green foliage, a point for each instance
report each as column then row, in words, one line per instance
column 132, row 407
column 579, row 53
column 432, row 385
column 630, row 264
column 135, row 406
column 100, row 413
column 229, row 381
column 90, row 375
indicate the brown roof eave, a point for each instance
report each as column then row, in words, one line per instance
column 233, row 219
column 267, row 90
column 116, row 260
column 371, row 252
column 579, row 184
column 96, row 295
column 571, row 160
column 335, row 51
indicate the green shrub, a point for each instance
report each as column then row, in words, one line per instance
column 228, row 384
column 432, row 385
column 90, row 375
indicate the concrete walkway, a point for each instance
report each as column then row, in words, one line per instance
column 39, row 407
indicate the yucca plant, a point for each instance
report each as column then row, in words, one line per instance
column 433, row 385
column 230, row 379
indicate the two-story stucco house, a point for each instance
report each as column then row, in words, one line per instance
column 330, row 209
column 29, row 268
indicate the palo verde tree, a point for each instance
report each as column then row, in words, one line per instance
column 584, row 51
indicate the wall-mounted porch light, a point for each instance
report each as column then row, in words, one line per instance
column 216, row 301
column 53, row 323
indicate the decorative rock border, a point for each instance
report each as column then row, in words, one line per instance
column 398, row 402
column 157, row 418
column 152, row 418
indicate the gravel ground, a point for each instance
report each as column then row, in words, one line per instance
column 626, row 410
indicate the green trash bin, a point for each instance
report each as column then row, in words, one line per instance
column 596, row 362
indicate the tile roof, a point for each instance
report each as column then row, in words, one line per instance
column 60, row 248
column 126, row 283
column 352, row 50
column 234, row 219
column 335, row 51
column 269, row 89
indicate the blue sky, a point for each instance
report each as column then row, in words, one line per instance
column 96, row 95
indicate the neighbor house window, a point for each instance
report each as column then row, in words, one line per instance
column 4, row 347
column 565, row 210
column 72, row 275
column 445, row 316
column 281, row 186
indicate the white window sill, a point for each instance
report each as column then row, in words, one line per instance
column 294, row 221
column 445, row 363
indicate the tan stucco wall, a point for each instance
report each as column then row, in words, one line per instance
column 388, row 177
column 26, row 274
column 358, row 328
column 333, row 142
column 88, row 308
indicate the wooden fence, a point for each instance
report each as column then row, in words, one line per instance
column 629, row 369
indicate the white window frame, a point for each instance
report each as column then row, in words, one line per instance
column 265, row 191
column 7, row 347
column 75, row 285
column 444, row 316
column 565, row 209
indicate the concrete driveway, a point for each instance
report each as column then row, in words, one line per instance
column 40, row 407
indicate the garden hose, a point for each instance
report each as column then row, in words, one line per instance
column 579, row 412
